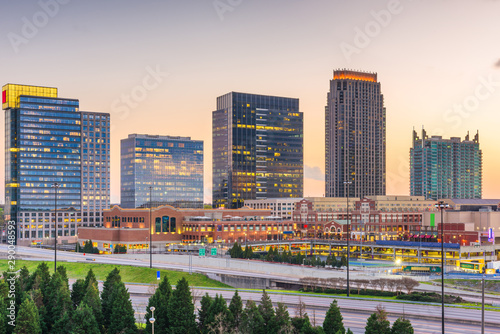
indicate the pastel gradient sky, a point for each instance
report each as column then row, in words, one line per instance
column 437, row 61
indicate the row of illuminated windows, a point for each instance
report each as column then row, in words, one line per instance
column 51, row 138
column 50, row 161
column 49, row 120
column 48, row 100
column 50, row 114
column 49, row 126
column 48, row 155
column 49, row 185
column 54, row 173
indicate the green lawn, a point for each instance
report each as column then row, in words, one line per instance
column 129, row 274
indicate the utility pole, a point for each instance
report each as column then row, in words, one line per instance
column 150, row 228
column 441, row 206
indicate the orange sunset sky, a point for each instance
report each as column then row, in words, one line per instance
column 438, row 63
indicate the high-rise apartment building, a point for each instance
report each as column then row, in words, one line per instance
column 43, row 147
column 257, row 149
column 354, row 136
column 159, row 170
column 445, row 168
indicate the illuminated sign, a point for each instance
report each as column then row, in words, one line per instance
column 491, row 235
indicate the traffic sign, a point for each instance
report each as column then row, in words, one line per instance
column 213, row 251
column 201, row 252
column 158, row 275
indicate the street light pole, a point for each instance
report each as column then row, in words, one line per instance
column 441, row 206
column 55, row 186
column 150, row 232
column 152, row 319
column 347, row 183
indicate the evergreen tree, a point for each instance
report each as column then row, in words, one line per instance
column 203, row 313
column 3, row 311
column 349, row 331
column 122, row 313
column 302, row 324
column 78, row 292
column 42, row 271
column 27, row 320
column 377, row 323
column 181, row 309
column 343, row 261
column 159, row 301
column 37, row 297
column 83, row 321
column 252, row 321
column 402, row 326
column 333, row 320
column 266, row 310
column 216, row 312
column 107, row 294
column 282, row 323
column 93, row 302
column 64, row 275
column 235, row 313
column 90, row 278
column 59, row 302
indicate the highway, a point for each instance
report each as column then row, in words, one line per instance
column 425, row 318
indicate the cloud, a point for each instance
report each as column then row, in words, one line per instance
column 314, row 173
column 497, row 63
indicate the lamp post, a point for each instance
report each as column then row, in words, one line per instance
column 55, row 186
column 441, row 205
column 150, row 230
column 152, row 319
column 347, row 183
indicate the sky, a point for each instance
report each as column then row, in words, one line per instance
column 158, row 66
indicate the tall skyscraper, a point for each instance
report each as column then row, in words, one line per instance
column 354, row 136
column 171, row 166
column 43, row 146
column 257, row 148
column 445, row 168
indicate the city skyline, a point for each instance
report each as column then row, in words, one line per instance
column 443, row 75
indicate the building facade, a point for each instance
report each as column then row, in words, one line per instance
column 257, row 149
column 445, row 168
column 44, row 139
column 131, row 227
column 355, row 141
column 280, row 207
column 159, row 170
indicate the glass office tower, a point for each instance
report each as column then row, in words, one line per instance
column 354, row 136
column 445, row 168
column 95, row 166
column 169, row 170
column 257, row 148
column 43, row 146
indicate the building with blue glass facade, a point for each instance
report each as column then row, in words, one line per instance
column 257, row 149
column 445, row 168
column 43, row 146
column 159, row 170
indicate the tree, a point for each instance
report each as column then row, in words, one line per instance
column 203, row 313
column 159, row 300
column 3, row 309
column 42, row 271
column 27, row 320
column 83, row 321
column 409, row 284
column 402, row 326
column 107, row 294
column 343, row 261
column 181, row 309
column 77, row 292
column 252, row 321
column 333, row 320
column 235, row 313
column 64, row 275
column 93, row 302
column 122, row 313
column 59, row 302
column 90, row 278
column 216, row 312
column 89, row 248
column 377, row 323
column 266, row 309
column 282, row 322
